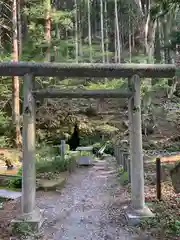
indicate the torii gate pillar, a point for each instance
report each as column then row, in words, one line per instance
column 138, row 209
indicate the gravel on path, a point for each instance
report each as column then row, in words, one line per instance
column 82, row 209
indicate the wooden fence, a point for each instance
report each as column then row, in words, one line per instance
column 123, row 159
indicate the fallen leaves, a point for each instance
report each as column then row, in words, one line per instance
column 166, row 223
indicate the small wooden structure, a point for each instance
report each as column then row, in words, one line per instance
column 87, row 159
column 132, row 72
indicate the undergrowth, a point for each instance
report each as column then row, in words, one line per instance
column 48, row 162
column 123, row 176
column 166, row 223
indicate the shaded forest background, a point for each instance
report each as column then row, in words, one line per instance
column 94, row 31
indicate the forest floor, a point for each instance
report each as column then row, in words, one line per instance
column 166, row 224
column 83, row 209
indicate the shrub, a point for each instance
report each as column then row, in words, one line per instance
column 53, row 164
column 96, row 147
column 46, row 162
column 45, row 150
column 123, row 178
column 5, row 130
column 109, row 149
column 43, row 165
column 16, row 182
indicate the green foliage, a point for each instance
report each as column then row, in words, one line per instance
column 173, row 148
column 15, row 182
column 85, row 153
column 4, row 122
column 120, row 171
column 45, row 151
column 55, row 164
column 36, row 45
column 174, row 40
column 140, row 58
column 4, row 130
column 47, row 161
column 164, row 218
column 109, row 148
column 123, row 177
column 160, row 8
column 25, row 230
column 106, row 84
column 96, row 147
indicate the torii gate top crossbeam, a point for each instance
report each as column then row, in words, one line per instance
column 87, row 70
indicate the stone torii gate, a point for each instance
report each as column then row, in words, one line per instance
column 132, row 72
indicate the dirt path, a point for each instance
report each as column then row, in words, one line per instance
column 82, row 210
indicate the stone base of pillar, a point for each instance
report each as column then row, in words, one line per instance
column 29, row 223
column 134, row 216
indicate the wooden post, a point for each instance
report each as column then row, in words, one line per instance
column 129, row 168
column 63, row 148
column 119, row 155
column 158, row 178
column 28, row 164
column 115, row 152
column 136, row 152
column 125, row 160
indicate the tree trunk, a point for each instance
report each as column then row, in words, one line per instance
column 24, row 22
column 130, row 39
column 117, row 32
column 89, row 31
column 152, row 42
column 106, row 32
column 48, row 29
column 19, row 27
column 76, row 31
column 115, row 44
column 1, row 30
column 80, row 32
column 157, row 44
column 146, row 33
column 15, row 80
column 102, row 31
